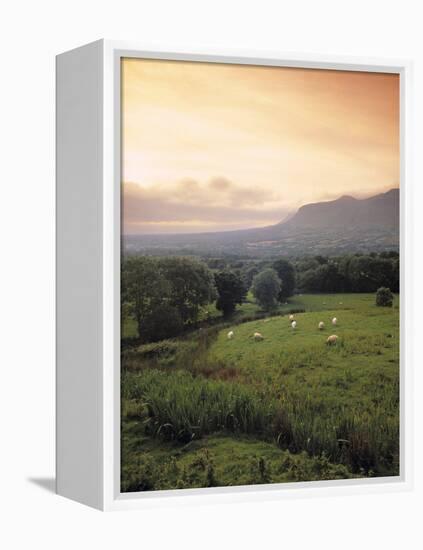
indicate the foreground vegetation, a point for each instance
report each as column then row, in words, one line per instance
column 203, row 410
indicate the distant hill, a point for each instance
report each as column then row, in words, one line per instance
column 380, row 210
column 345, row 225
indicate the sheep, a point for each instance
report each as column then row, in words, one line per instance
column 291, row 317
column 230, row 334
column 332, row 340
column 334, row 321
column 294, row 324
column 258, row 336
column 321, row 325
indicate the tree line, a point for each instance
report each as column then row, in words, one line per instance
column 166, row 294
column 346, row 273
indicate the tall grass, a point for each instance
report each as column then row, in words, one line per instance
column 180, row 407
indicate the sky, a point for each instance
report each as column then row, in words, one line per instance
column 212, row 147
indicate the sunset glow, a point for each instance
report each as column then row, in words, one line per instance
column 211, row 147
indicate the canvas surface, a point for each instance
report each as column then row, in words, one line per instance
column 260, row 275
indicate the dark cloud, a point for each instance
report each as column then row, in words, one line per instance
column 187, row 201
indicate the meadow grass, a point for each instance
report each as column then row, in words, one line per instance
column 292, row 393
column 216, row 460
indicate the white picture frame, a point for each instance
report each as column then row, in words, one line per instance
column 88, row 277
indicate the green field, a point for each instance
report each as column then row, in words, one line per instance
column 203, row 410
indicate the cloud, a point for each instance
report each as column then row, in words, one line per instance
column 220, row 184
column 215, row 206
column 220, row 146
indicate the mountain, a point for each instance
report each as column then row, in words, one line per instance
column 344, row 225
column 380, row 210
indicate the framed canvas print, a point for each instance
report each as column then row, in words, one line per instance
column 232, row 267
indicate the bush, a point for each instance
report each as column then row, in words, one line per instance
column 384, row 297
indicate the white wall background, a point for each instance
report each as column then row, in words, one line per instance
column 31, row 33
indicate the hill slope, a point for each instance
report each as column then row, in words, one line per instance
column 334, row 227
column 380, row 210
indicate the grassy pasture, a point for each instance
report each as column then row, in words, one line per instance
column 208, row 411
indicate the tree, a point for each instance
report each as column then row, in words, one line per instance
column 191, row 285
column 164, row 294
column 367, row 274
column 266, row 288
column 248, row 273
column 230, row 291
column 384, row 297
column 286, row 273
column 145, row 294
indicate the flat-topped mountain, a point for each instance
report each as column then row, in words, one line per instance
column 344, row 225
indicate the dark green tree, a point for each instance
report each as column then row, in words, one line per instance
column 164, row 294
column 248, row 274
column 231, row 291
column 266, row 287
column 384, row 297
column 367, row 274
column 286, row 273
column 145, row 296
column 191, row 285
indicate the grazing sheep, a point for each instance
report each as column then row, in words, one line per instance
column 291, row 317
column 334, row 321
column 258, row 336
column 294, row 324
column 332, row 339
column 321, row 325
column 230, row 334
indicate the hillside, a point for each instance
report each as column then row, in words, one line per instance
column 380, row 210
column 345, row 225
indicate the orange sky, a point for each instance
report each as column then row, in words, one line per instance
column 209, row 147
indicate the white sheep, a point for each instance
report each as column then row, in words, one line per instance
column 332, row 339
column 334, row 321
column 230, row 334
column 258, row 336
column 294, row 324
column 291, row 317
column 321, row 325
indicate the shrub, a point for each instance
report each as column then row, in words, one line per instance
column 384, row 297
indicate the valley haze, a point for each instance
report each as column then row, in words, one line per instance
column 344, row 225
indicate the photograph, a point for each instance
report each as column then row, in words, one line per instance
column 259, row 274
